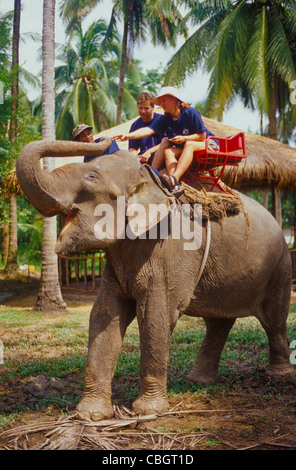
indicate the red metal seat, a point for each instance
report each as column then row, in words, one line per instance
column 208, row 165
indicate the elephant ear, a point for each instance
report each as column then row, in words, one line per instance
column 149, row 206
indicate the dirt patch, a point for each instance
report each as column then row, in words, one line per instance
column 257, row 414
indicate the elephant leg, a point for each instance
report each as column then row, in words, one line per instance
column 155, row 329
column 205, row 369
column 110, row 316
column 279, row 357
column 273, row 318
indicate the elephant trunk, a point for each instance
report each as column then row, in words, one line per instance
column 42, row 188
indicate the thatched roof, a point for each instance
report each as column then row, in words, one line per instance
column 268, row 162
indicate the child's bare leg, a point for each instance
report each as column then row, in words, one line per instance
column 158, row 159
column 186, row 157
column 171, row 159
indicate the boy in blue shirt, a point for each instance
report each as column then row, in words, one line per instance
column 185, row 133
column 83, row 133
column 147, row 146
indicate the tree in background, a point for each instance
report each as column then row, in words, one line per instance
column 11, row 265
column 49, row 297
column 249, row 49
column 155, row 19
column 73, row 11
column 5, row 115
column 12, row 108
column 87, row 80
column 17, row 127
column 142, row 19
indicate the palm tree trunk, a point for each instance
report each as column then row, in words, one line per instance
column 5, row 242
column 273, row 108
column 15, row 66
column 122, row 71
column 49, row 297
column 276, row 193
column 11, row 265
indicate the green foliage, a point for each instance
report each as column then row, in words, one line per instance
column 287, row 206
column 149, row 80
column 5, row 31
column 87, row 80
column 6, row 82
column 29, row 233
column 27, row 125
column 249, row 50
column 57, row 346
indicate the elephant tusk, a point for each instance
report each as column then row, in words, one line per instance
column 206, row 252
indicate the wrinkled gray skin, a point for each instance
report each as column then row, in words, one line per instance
column 155, row 281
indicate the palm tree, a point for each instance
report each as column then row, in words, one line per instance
column 246, row 45
column 249, row 48
column 87, row 80
column 73, row 11
column 11, row 190
column 11, row 265
column 49, row 297
column 155, row 18
column 141, row 18
column 13, row 124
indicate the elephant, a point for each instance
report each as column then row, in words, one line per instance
column 155, row 279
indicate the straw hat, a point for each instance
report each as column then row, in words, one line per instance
column 80, row 128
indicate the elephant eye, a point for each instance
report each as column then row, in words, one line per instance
column 90, row 176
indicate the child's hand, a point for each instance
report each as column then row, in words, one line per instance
column 178, row 139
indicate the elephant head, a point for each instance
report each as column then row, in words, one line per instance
column 80, row 191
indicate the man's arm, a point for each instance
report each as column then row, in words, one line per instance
column 138, row 134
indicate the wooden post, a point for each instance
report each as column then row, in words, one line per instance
column 277, row 205
column 101, row 263
column 85, row 274
column 93, row 269
column 76, row 272
column 265, row 194
column 67, row 272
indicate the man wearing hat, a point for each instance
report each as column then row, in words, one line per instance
column 185, row 132
column 83, row 133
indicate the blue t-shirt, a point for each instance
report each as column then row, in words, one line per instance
column 189, row 122
column 113, row 148
column 147, row 142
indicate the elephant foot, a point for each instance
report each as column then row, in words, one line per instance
column 279, row 370
column 198, row 378
column 149, row 406
column 93, row 409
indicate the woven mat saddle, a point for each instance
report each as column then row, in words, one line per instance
column 216, row 206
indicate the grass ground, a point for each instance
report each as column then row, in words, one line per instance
column 41, row 379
